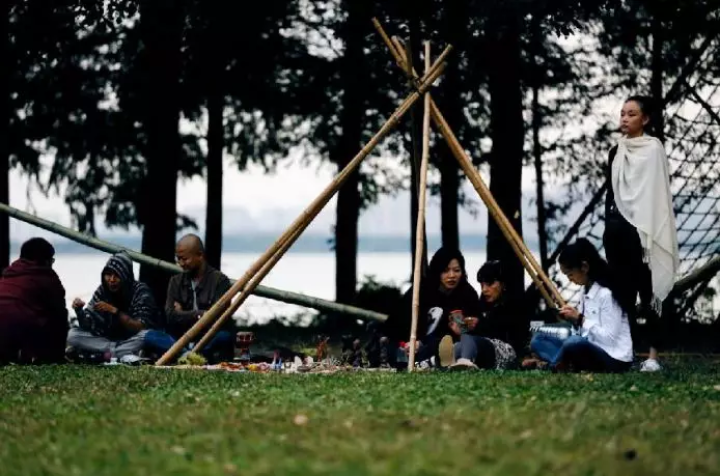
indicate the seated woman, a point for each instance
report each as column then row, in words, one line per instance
column 601, row 341
column 501, row 331
column 444, row 289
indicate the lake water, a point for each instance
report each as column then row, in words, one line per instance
column 308, row 273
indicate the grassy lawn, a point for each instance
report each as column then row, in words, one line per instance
column 125, row 421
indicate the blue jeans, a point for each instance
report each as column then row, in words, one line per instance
column 223, row 343
column 575, row 351
column 477, row 349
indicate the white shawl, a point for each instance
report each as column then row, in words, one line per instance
column 641, row 184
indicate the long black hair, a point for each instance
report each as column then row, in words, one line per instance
column 439, row 263
column 648, row 109
column 582, row 251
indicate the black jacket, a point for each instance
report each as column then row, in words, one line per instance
column 506, row 320
column 435, row 306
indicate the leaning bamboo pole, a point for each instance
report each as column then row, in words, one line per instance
column 305, row 218
column 244, row 294
column 420, row 225
column 545, row 286
column 262, row 291
column 404, row 62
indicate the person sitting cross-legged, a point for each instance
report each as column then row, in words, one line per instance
column 120, row 313
column 444, row 294
column 190, row 294
column 33, row 314
column 601, row 341
column 500, row 332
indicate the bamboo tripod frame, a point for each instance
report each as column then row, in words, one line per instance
column 543, row 283
column 244, row 286
column 263, row 265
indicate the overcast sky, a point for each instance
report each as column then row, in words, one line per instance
column 254, row 201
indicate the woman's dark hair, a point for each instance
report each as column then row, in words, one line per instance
column 490, row 272
column 440, row 261
column 582, row 251
column 647, row 107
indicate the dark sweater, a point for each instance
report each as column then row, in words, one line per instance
column 464, row 297
column 610, row 207
column 506, row 320
column 33, row 314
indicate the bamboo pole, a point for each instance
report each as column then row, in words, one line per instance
column 518, row 246
column 262, row 291
column 420, row 217
column 245, row 293
column 305, row 217
column 402, row 61
column 527, row 259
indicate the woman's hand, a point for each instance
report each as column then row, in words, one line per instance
column 471, row 322
column 105, row 307
column 406, row 347
column 78, row 303
column 569, row 313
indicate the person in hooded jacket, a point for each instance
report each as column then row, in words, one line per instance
column 33, row 314
column 444, row 291
column 120, row 312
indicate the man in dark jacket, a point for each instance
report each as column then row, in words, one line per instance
column 33, row 315
column 191, row 294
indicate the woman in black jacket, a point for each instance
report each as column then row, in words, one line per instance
column 501, row 331
column 444, row 290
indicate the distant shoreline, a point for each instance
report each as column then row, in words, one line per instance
column 259, row 242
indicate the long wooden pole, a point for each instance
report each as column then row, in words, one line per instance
column 307, row 216
column 262, row 291
column 402, row 61
column 245, row 293
column 527, row 259
column 531, row 265
column 417, row 275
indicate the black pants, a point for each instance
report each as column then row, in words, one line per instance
column 624, row 254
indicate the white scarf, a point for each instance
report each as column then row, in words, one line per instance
column 641, row 184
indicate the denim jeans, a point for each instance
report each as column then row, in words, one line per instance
column 477, row 349
column 223, row 343
column 576, row 351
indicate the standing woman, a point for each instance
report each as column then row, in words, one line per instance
column 640, row 236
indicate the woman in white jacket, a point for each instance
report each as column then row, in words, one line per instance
column 640, row 237
column 601, row 341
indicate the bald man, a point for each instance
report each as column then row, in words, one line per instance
column 190, row 294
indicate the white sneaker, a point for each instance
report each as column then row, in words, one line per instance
column 464, row 364
column 650, row 365
column 132, row 359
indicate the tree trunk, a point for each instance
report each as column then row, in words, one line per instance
column 4, row 144
column 537, row 151
column 452, row 107
column 216, row 145
column 161, row 26
column 540, row 195
column 507, row 141
column 657, row 67
column 351, row 122
column 416, row 134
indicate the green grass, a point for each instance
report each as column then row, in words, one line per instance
column 123, row 421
